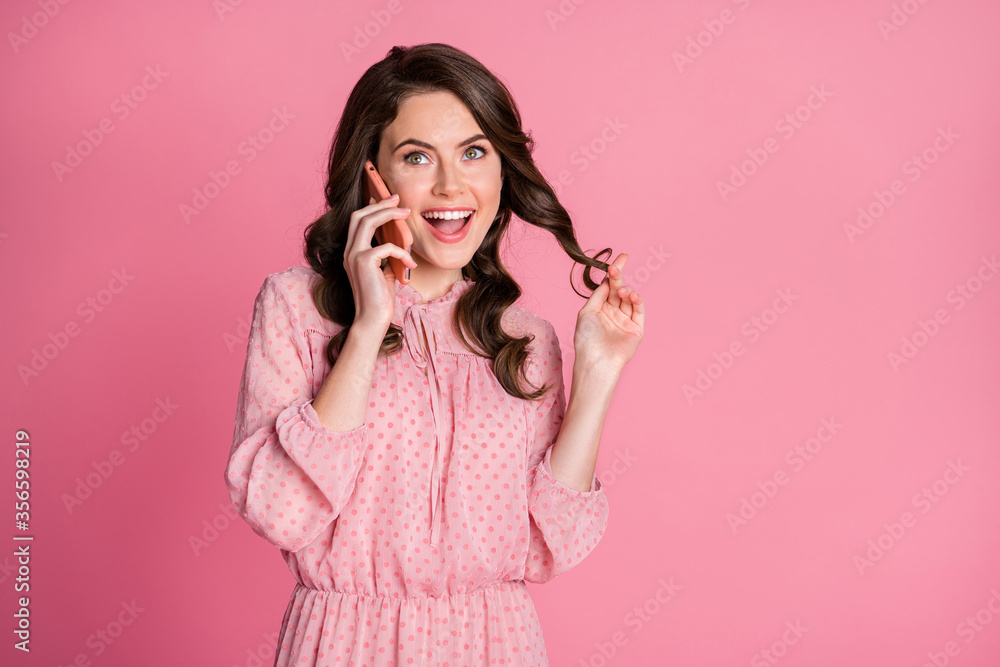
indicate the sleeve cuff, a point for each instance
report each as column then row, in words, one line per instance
column 545, row 473
column 311, row 417
column 301, row 434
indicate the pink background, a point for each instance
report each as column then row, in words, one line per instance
column 674, row 581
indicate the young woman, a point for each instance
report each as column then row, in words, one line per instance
column 408, row 447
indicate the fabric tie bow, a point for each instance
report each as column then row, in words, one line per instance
column 415, row 330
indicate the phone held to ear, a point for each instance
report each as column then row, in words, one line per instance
column 396, row 230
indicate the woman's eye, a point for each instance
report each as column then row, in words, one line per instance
column 475, row 148
column 407, row 157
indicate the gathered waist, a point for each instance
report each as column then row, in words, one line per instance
column 489, row 625
column 495, row 587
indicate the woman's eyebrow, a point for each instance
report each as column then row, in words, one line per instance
column 424, row 144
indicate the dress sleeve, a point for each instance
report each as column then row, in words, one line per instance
column 287, row 475
column 565, row 524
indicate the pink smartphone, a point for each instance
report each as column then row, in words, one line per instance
column 395, row 231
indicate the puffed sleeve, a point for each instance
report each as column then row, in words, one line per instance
column 287, row 475
column 565, row 524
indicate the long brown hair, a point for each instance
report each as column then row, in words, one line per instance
column 370, row 109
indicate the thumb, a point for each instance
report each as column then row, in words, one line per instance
column 599, row 296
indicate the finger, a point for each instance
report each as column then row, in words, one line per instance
column 387, row 250
column 633, row 306
column 352, row 227
column 615, row 282
column 369, row 223
column 625, row 293
column 358, row 218
column 619, row 265
column 639, row 311
column 598, row 298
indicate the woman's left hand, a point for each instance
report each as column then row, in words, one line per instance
column 610, row 325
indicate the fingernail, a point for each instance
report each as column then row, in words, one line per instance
column 396, row 196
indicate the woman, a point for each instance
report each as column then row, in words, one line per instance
column 386, row 440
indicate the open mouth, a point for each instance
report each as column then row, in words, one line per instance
column 448, row 225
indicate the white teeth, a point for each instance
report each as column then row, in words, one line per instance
column 447, row 215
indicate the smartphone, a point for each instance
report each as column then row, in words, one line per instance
column 395, row 231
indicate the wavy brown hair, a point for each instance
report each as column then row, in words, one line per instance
column 371, row 108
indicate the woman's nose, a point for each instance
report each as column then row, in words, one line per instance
column 449, row 181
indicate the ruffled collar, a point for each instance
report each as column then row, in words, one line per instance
column 407, row 295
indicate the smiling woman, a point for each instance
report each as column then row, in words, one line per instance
column 409, row 447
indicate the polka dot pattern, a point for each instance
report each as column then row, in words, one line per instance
column 412, row 537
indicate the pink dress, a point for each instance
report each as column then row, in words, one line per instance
column 410, row 537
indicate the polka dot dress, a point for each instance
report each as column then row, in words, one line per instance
column 410, row 537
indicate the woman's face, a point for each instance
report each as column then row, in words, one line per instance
column 434, row 156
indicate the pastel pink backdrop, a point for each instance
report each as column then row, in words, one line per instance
column 638, row 140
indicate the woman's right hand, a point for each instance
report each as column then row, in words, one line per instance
column 374, row 287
